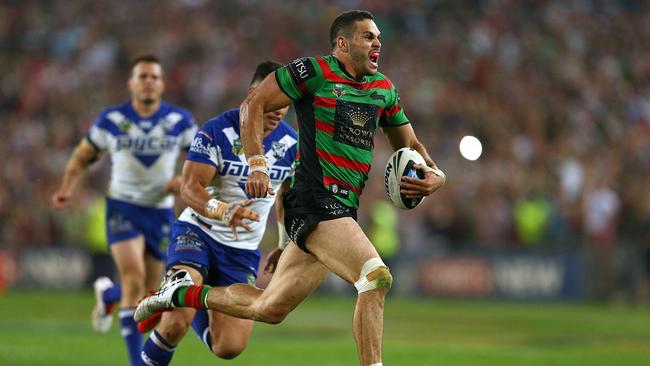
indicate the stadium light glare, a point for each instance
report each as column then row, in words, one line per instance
column 470, row 147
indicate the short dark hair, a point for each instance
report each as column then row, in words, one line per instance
column 264, row 69
column 343, row 24
column 148, row 58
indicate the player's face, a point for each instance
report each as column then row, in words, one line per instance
column 272, row 119
column 364, row 48
column 146, row 82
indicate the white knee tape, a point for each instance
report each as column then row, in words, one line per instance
column 363, row 284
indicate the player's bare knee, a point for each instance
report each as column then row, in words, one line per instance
column 227, row 352
column 375, row 276
column 383, row 279
column 274, row 314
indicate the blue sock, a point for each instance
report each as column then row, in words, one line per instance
column 130, row 333
column 112, row 294
column 156, row 351
column 201, row 326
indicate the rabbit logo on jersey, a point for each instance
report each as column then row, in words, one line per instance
column 279, row 149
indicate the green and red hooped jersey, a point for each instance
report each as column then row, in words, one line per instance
column 337, row 120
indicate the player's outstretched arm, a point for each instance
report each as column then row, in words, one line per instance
column 434, row 178
column 266, row 97
column 83, row 155
column 195, row 178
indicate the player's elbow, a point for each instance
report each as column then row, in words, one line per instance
column 187, row 191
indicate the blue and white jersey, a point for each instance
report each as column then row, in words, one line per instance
column 218, row 144
column 143, row 151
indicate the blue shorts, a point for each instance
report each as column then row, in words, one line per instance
column 220, row 265
column 126, row 221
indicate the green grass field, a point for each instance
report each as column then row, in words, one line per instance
column 51, row 328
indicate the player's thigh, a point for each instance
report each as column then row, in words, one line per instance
column 341, row 246
column 128, row 255
column 228, row 333
column 298, row 274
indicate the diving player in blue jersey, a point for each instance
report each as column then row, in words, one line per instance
column 144, row 138
column 213, row 253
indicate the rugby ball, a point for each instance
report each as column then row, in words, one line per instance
column 401, row 164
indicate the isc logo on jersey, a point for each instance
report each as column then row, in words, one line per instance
column 146, row 145
column 401, row 164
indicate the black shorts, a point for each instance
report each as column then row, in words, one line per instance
column 304, row 208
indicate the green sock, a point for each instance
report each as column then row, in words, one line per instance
column 191, row 296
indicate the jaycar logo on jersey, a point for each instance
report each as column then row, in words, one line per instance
column 149, row 145
column 240, row 169
column 301, row 70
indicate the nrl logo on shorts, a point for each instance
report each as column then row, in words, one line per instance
column 279, row 149
column 237, row 147
column 250, row 278
column 338, row 90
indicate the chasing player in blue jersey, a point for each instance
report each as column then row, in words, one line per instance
column 204, row 242
column 144, row 137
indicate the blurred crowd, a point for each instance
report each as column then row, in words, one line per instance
column 557, row 91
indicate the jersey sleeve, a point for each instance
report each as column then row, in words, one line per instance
column 300, row 78
column 393, row 115
column 205, row 148
column 98, row 135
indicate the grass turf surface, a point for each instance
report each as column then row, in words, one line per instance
column 53, row 328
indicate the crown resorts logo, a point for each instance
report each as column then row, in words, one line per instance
column 358, row 117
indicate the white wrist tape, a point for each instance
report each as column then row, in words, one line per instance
column 435, row 171
column 221, row 210
column 283, row 237
column 212, row 206
column 257, row 163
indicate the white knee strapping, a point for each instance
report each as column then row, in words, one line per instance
column 363, row 284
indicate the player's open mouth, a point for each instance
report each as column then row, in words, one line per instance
column 374, row 57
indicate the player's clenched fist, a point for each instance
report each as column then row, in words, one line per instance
column 258, row 185
column 61, row 200
column 258, row 181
